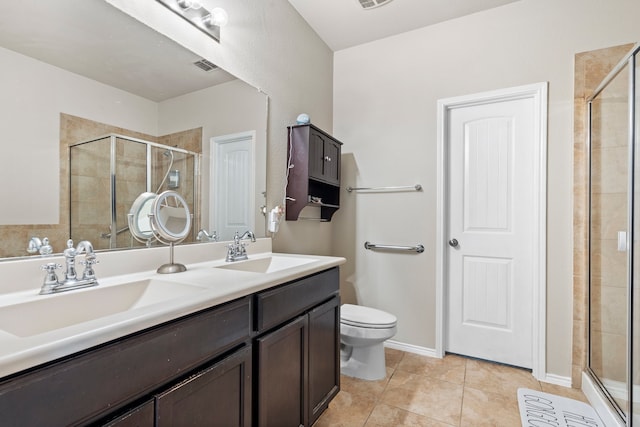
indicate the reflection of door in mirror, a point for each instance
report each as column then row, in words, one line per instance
column 233, row 184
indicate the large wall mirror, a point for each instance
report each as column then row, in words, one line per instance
column 75, row 71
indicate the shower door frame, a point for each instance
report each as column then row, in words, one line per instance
column 113, row 137
column 628, row 60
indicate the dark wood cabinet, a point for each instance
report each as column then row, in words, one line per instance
column 324, row 357
column 95, row 386
column 282, row 356
column 267, row 359
column 298, row 362
column 314, row 179
column 140, row 416
column 217, row 396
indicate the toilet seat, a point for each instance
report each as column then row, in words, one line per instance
column 366, row 317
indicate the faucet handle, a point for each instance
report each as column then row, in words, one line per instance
column 50, row 267
column 88, row 263
column 51, row 278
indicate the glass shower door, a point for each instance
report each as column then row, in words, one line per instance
column 635, row 285
column 609, row 227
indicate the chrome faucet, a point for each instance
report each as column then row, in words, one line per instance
column 43, row 247
column 237, row 250
column 51, row 282
column 203, row 236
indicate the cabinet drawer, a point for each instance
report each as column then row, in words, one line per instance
column 278, row 305
column 81, row 388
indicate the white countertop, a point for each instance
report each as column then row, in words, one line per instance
column 219, row 285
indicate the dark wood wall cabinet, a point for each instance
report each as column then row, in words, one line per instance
column 314, row 179
column 236, row 364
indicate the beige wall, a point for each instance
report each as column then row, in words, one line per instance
column 268, row 45
column 33, row 96
column 385, row 96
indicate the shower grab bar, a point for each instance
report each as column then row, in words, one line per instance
column 108, row 235
column 417, row 248
column 416, row 187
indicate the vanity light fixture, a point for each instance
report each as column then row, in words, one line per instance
column 209, row 22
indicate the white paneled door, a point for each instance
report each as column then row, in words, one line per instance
column 491, row 232
column 232, row 206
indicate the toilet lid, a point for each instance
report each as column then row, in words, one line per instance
column 366, row 317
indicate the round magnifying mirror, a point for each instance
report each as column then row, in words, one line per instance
column 139, row 222
column 170, row 217
column 170, row 222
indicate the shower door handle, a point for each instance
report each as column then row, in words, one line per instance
column 453, row 243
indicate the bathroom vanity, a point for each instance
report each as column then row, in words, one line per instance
column 267, row 355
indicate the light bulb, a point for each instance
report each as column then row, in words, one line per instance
column 219, row 17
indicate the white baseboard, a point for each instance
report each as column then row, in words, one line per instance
column 410, row 348
column 556, row 379
column 600, row 403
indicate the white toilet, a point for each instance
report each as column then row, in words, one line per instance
column 363, row 331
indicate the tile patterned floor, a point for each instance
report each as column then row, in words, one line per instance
column 424, row 391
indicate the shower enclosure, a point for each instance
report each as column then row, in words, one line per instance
column 613, row 359
column 108, row 173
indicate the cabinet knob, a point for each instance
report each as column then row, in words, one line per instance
column 327, row 158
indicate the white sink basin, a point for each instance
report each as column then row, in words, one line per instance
column 68, row 308
column 267, row 265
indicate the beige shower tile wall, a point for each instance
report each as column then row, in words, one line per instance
column 590, row 69
column 189, row 140
column 131, row 178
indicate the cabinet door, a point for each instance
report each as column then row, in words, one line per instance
column 281, row 376
column 141, row 416
column 316, row 155
column 324, row 356
column 218, row 396
column 331, row 164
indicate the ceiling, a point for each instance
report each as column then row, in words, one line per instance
column 96, row 40
column 344, row 23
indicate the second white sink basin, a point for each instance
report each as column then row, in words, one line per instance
column 56, row 311
column 268, row 264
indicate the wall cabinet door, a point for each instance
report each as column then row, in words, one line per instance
column 324, row 356
column 282, row 356
column 217, row 396
column 332, row 162
column 324, row 158
column 316, row 155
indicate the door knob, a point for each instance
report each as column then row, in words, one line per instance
column 453, row 243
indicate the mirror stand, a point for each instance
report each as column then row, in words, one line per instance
column 171, row 267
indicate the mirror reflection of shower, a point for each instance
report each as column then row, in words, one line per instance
column 108, row 173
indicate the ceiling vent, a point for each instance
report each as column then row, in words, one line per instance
column 205, row 65
column 370, row 4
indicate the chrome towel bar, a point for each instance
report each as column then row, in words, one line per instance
column 417, row 248
column 416, row 187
